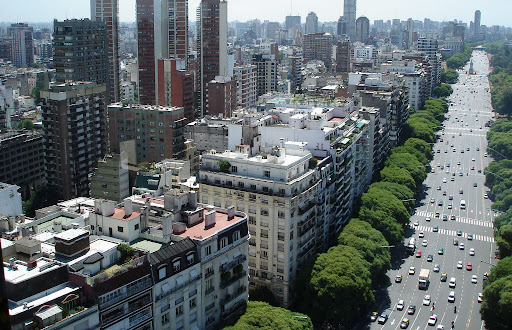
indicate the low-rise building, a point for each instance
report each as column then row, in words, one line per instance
column 111, row 179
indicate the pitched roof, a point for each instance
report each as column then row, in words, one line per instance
column 93, row 258
column 171, row 251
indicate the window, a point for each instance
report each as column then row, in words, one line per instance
column 280, row 214
column 190, row 259
column 223, row 242
column 266, row 174
column 252, row 241
column 192, row 303
column 209, row 284
column 162, row 272
column 104, row 185
column 136, row 226
column 252, row 220
column 120, row 229
column 208, row 250
column 263, row 254
column 253, row 187
column 241, row 185
column 176, row 265
column 92, row 227
column 165, row 318
column 280, row 236
column 236, row 236
column 179, row 310
column 208, row 271
column 234, row 169
column 100, row 229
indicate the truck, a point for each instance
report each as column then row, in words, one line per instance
column 424, row 279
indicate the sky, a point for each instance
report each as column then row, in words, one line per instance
column 494, row 12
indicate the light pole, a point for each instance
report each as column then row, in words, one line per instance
column 485, row 262
column 499, row 153
column 485, row 172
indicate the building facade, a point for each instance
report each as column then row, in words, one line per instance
column 176, row 86
column 362, row 29
column 222, row 93
column 22, row 44
column 245, row 79
column 266, row 73
column 318, row 46
column 110, row 180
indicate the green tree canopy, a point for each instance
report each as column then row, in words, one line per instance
column 449, row 76
column 263, row 293
column 421, row 146
column 398, row 175
column 496, row 308
column 410, row 163
column 443, row 90
column 401, row 192
column 25, row 124
column 39, row 198
column 260, row 315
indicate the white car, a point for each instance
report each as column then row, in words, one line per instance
column 428, row 218
column 480, row 297
column 412, row 270
column 426, row 300
column 424, row 243
column 474, row 279
column 472, row 252
column 486, row 196
column 400, row 306
column 444, row 180
column 459, row 264
column 432, row 320
column 461, row 246
column 416, row 223
column 422, row 234
column 440, row 327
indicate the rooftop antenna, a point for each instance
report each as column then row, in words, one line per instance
column 291, row 7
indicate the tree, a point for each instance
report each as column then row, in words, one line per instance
column 25, row 124
column 382, row 200
column 449, row 76
column 224, row 166
column 398, row 175
column 443, row 90
column 41, row 197
column 144, row 166
column 496, row 308
column 408, row 162
column 369, row 242
column 263, row 293
column 420, row 145
column 411, row 151
column 36, row 94
column 399, row 191
column 502, row 269
column 260, row 315
column 336, row 278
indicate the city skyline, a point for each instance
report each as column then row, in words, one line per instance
column 326, row 10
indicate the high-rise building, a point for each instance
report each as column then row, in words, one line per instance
column 22, row 44
column 293, row 22
column 222, row 96
column 318, row 46
column 162, row 33
column 212, row 34
column 75, row 135
column 430, row 47
column 175, row 86
column 311, row 23
column 349, row 14
column 266, row 73
column 80, row 51
column 477, row 22
column 108, row 12
column 362, row 29
column 341, row 28
column 111, row 180
column 245, row 79
column 410, row 33
column 343, row 53
column 157, row 131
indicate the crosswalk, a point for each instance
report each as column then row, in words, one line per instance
column 453, row 233
column 474, row 222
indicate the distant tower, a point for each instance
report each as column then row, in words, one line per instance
column 311, row 23
column 22, row 45
column 476, row 25
column 362, row 29
column 410, row 33
column 349, row 12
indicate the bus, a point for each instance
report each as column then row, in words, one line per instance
column 462, row 204
column 411, row 245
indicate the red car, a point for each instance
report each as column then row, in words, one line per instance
column 472, row 167
column 469, row 266
column 418, row 254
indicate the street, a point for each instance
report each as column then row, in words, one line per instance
column 457, row 175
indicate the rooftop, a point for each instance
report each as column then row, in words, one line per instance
column 71, row 234
column 199, row 232
column 22, row 273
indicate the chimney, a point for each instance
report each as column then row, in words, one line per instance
column 57, row 226
column 209, row 220
column 193, row 199
column 128, row 207
column 178, row 228
column 167, row 224
column 231, row 212
column 281, row 142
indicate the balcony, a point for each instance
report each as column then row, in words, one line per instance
column 236, row 294
column 129, row 292
column 178, row 287
column 233, row 279
column 236, row 261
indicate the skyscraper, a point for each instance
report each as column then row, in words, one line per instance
column 162, row 33
column 311, row 23
column 362, row 29
column 349, row 13
column 76, row 60
column 476, row 24
column 292, row 22
column 108, row 12
column 212, row 35
column 22, row 44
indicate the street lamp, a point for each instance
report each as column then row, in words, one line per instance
column 485, row 262
column 499, row 153
column 485, row 172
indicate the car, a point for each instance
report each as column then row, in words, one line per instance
column 477, row 149
column 450, row 206
column 438, row 187
column 459, row 232
column 461, row 151
column 440, row 202
column 473, row 159
column 486, row 196
column 435, row 229
column 458, row 163
column 480, row 297
column 426, row 300
column 404, row 324
column 472, row 251
column 470, row 237
column 421, row 235
column 472, row 168
column 427, row 219
column 440, row 327
column 451, row 296
column 450, row 197
column 453, row 217
column 437, row 214
column 430, row 258
column 437, row 268
column 469, row 266
column 459, row 264
column 444, row 193
column 444, row 277
column 424, row 243
column 398, row 279
column 400, row 306
column 438, row 151
column 412, row 270
column 486, row 276
column 454, row 174
column 432, row 320
column 382, row 318
column 485, row 154
column 445, row 217
column 416, row 223
column 455, row 241
column 444, row 180
column 461, row 191
column 374, row 316
column 467, row 149
column 461, row 174
column 418, row 254
column 452, row 178
column 474, row 279
column 411, row 310
column 462, row 246
column 441, row 251
column 475, row 184
column 432, row 200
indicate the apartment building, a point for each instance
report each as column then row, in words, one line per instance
column 266, row 73
column 222, row 93
column 245, row 79
column 318, row 46
column 110, row 180
column 156, row 130
column 22, row 44
column 175, row 86
column 75, row 135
